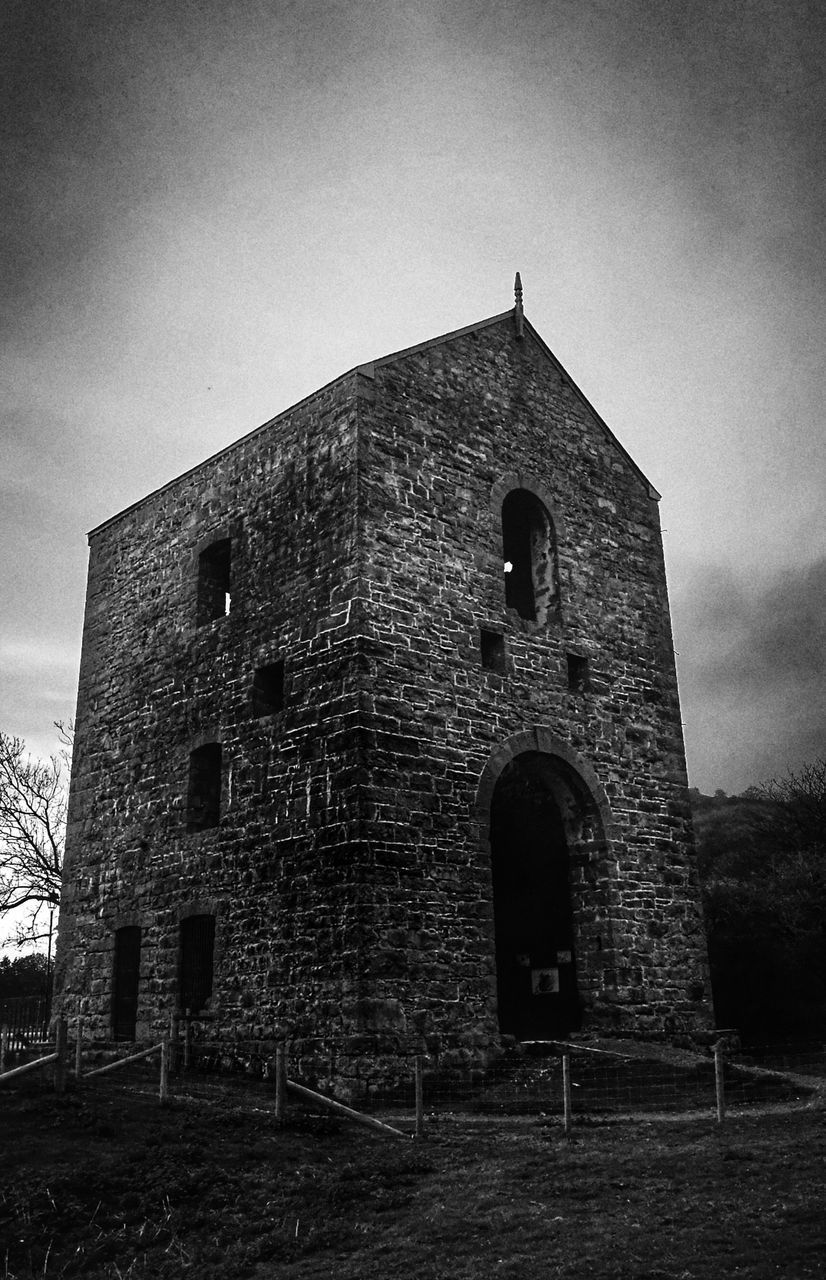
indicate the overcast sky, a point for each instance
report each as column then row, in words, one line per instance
column 211, row 208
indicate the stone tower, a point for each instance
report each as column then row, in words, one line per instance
column 378, row 733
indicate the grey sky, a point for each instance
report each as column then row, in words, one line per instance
column 211, row 209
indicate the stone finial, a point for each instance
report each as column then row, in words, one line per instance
column 518, row 313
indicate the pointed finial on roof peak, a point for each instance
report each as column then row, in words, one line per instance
column 518, row 313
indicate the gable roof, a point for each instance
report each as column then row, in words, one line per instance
column 528, row 330
column 368, row 370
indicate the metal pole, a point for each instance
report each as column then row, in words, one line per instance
column 566, row 1092
column 78, row 1045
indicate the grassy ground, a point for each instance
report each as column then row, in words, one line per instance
column 107, row 1184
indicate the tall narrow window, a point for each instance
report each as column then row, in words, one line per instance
column 197, row 949
column 203, row 805
column 531, row 574
column 492, row 650
column 214, row 581
column 268, row 689
column 578, row 672
column 126, row 979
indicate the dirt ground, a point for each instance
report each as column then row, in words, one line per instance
column 105, row 1183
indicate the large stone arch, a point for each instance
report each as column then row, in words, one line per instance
column 543, row 768
column 546, row 741
column 525, row 480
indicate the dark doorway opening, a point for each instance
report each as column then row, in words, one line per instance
column 126, row 980
column 535, row 954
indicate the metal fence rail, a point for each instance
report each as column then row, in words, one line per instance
column 26, row 1021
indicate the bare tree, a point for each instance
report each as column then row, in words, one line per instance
column 802, row 797
column 32, row 829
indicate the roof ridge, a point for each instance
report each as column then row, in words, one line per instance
column 367, row 369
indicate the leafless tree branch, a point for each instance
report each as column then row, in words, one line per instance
column 32, row 828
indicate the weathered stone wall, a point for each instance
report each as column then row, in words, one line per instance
column 278, row 870
column 350, row 874
column 452, row 428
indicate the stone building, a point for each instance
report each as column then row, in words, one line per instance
column 378, row 733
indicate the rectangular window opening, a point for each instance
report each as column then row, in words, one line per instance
column 126, row 980
column 492, row 650
column 578, row 673
column 196, row 965
column 214, row 566
column 203, row 808
column 268, row 689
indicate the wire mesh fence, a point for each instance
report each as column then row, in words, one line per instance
column 640, row 1079
column 576, row 1082
column 602, row 1085
column 807, row 1057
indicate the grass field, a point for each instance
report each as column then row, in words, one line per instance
column 105, row 1183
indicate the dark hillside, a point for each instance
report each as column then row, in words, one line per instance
column 762, row 862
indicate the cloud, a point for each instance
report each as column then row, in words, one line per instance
column 753, row 672
column 35, row 653
column 207, row 213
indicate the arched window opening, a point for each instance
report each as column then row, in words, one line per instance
column 529, row 544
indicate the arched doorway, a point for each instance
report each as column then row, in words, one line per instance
column 546, row 832
column 536, row 961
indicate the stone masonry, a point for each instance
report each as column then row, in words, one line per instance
column 338, row 777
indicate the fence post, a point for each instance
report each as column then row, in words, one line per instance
column 163, row 1091
column 719, row 1085
column 61, row 1037
column 174, row 1035
column 4, row 1047
column 566, row 1092
column 78, row 1045
column 419, row 1096
column 280, row 1082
